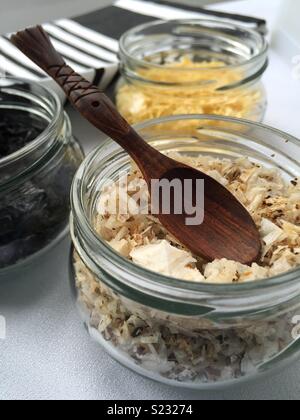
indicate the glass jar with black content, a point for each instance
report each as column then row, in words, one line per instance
column 38, row 159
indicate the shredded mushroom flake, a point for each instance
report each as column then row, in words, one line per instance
column 272, row 202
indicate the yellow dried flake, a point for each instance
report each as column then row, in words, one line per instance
column 188, row 92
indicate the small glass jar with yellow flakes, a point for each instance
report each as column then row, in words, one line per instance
column 192, row 67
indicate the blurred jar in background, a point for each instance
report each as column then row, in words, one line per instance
column 192, row 67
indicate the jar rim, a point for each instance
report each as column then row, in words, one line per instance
column 53, row 125
column 136, row 274
column 256, row 57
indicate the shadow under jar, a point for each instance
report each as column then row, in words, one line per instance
column 38, row 159
column 192, row 67
column 194, row 334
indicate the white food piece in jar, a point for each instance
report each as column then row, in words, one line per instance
column 136, row 103
column 167, row 260
column 225, row 271
column 270, row 232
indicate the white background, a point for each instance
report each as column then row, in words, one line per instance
column 47, row 353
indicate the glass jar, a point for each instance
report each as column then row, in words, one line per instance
column 197, row 335
column 39, row 157
column 192, row 67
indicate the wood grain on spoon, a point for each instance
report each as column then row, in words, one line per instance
column 228, row 230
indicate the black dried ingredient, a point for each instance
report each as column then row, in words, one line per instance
column 17, row 129
column 34, row 213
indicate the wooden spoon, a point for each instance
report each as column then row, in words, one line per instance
column 228, row 230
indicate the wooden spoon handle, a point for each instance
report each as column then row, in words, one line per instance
column 93, row 104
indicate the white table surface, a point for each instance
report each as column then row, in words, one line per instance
column 47, row 353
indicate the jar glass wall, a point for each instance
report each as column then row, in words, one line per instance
column 39, row 157
column 192, row 67
column 198, row 335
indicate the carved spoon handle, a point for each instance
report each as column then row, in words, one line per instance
column 93, row 104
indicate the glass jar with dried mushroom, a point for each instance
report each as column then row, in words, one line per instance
column 164, row 312
column 38, row 159
column 192, row 67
